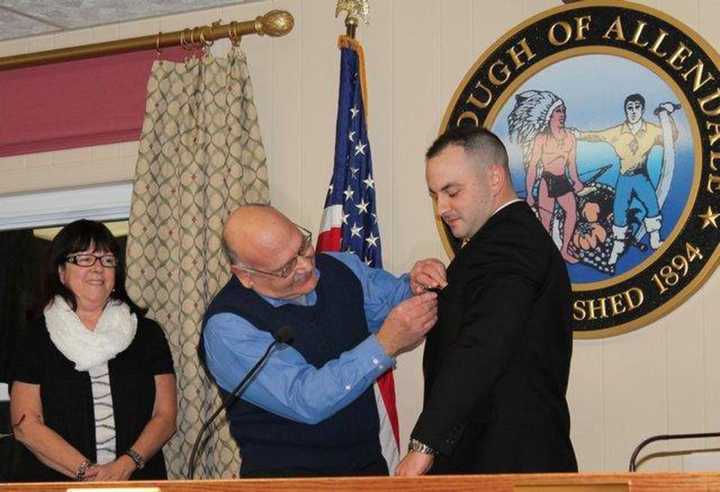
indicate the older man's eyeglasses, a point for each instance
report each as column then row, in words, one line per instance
column 306, row 251
column 88, row 260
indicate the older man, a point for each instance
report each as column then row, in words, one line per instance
column 496, row 366
column 311, row 411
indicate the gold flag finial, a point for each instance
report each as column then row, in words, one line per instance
column 357, row 10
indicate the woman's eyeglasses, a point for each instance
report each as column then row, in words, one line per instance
column 88, row 260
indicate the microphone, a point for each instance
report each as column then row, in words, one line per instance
column 284, row 335
column 665, row 437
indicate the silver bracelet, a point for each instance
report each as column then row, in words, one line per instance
column 419, row 447
column 82, row 470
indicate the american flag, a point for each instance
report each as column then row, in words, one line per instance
column 349, row 221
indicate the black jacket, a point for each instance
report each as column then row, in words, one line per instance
column 496, row 365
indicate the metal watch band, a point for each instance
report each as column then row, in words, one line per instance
column 419, row 447
column 82, row 470
column 135, row 456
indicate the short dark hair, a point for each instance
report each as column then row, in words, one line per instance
column 73, row 238
column 478, row 141
column 634, row 97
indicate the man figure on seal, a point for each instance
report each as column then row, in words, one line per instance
column 632, row 141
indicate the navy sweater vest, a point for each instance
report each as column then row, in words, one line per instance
column 343, row 444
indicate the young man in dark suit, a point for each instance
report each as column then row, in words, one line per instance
column 496, row 365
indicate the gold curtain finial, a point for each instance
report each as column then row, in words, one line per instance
column 275, row 23
column 357, row 10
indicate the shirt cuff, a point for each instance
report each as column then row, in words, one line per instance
column 371, row 351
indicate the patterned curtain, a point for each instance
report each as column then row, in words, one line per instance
column 200, row 157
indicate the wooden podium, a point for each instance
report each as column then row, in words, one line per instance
column 565, row 482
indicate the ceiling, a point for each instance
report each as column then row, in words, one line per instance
column 22, row 18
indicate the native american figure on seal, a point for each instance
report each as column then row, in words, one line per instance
column 537, row 123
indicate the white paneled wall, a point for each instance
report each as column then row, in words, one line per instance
column 662, row 378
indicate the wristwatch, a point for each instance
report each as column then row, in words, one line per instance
column 135, row 456
column 82, row 470
column 419, row 447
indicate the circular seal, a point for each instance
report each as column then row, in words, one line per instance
column 610, row 112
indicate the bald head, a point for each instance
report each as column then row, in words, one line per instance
column 262, row 243
column 255, row 234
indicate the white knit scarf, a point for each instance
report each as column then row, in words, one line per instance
column 113, row 333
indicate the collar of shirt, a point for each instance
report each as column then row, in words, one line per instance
column 308, row 299
column 506, row 204
column 515, row 200
column 627, row 129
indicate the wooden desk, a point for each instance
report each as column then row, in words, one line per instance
column 566, row 482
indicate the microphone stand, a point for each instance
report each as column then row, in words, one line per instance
column 666, row 437
column 227, row 402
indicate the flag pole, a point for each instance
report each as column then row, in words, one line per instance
column 350, row 26
column 349, row 221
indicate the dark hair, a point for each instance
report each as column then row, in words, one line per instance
column 73, row 238
column 636, row 98
column 481, row 142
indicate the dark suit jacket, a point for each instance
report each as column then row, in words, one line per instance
column 496, row 365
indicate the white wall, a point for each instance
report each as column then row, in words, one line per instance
column 662, row 378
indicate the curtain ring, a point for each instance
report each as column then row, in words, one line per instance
column 233, row 35
column 205, row 43
column 202, row 44
column 197, row 44
column 185, row 44
column 157, row 44
column 202, row 36
column 238, row 36
column 192, row 44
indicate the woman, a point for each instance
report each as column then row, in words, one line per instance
column 93, row 394
column 538, row 123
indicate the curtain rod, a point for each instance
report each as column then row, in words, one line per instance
column 275, row 23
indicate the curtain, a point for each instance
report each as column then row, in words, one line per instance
column 84, row 115
column 200, row 157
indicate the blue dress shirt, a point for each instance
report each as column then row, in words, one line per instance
column 290, row 386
